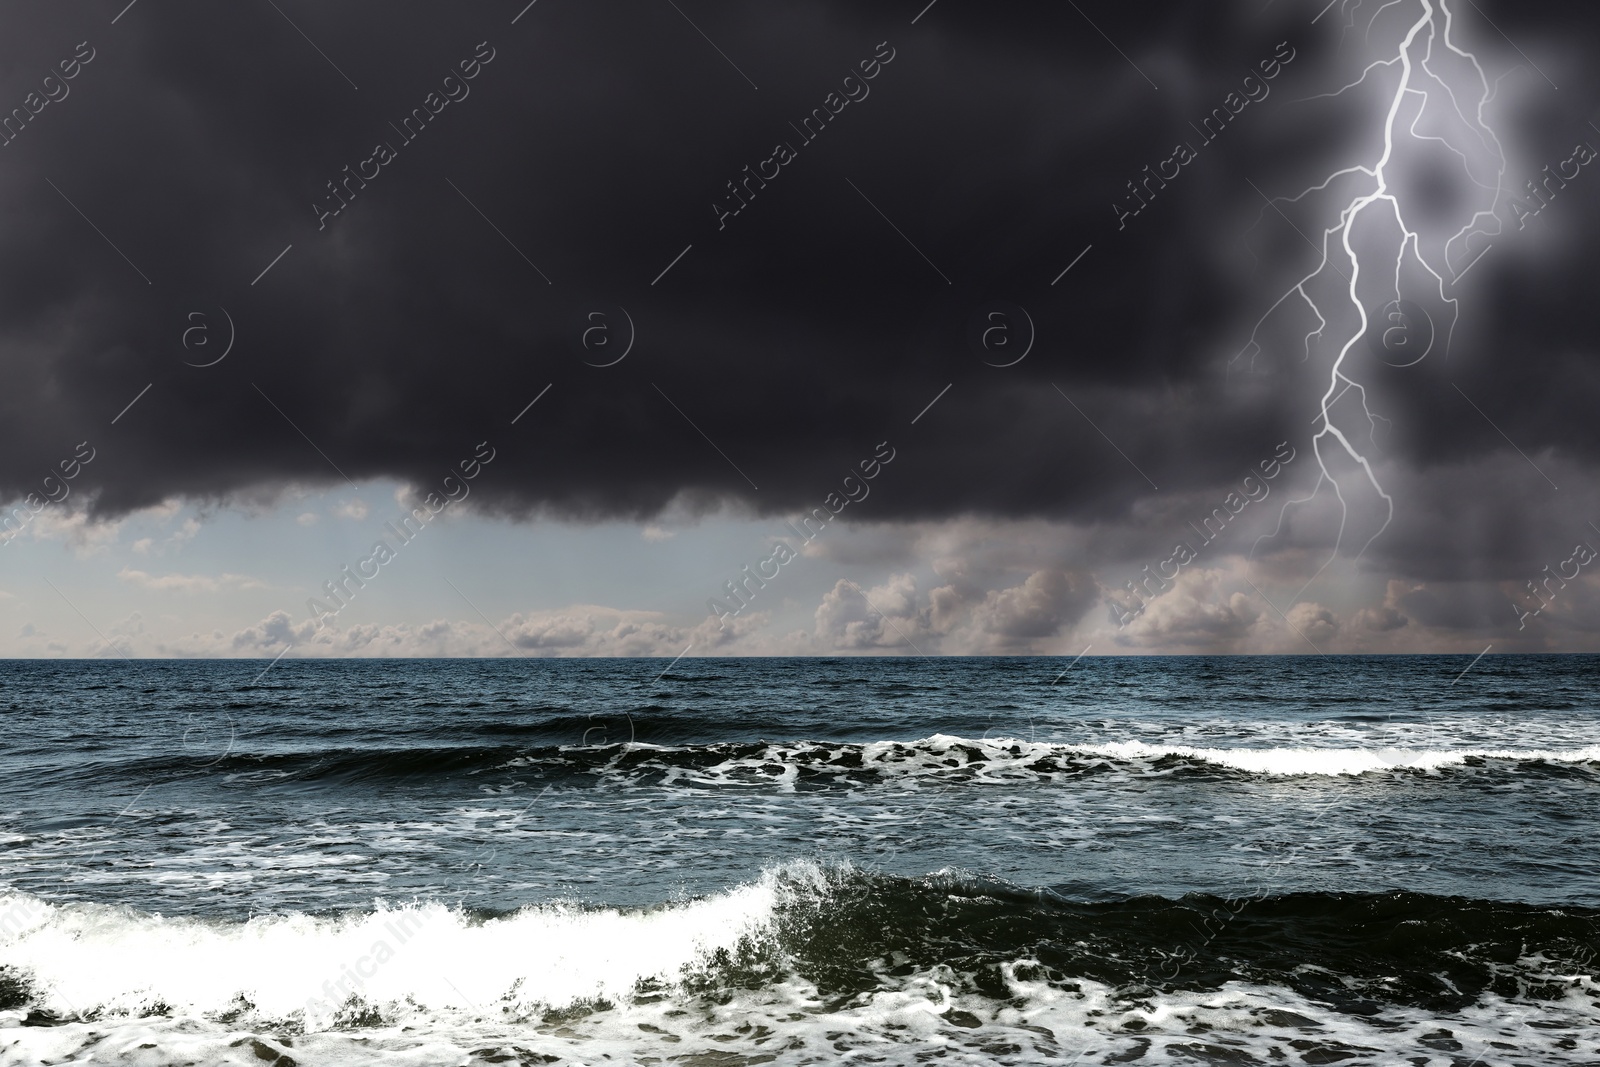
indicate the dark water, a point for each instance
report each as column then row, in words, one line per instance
column 1215, row 860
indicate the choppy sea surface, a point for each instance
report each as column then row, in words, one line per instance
column 1360, row 860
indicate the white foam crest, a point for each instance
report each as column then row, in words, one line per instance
column 87, row 956
column 1272, row 761
column 776, row 765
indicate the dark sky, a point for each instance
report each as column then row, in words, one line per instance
column 793, row 337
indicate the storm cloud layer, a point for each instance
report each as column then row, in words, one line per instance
column 730, row 249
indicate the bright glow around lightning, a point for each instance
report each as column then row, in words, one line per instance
column 1394, row 230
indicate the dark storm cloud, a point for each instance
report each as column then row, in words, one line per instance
column 594, row 147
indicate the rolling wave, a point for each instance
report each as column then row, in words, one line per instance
column 802, row 764
column 801, row 965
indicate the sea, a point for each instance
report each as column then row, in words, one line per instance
column 719, row 862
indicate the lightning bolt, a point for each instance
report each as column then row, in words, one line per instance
column 1432, row 93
